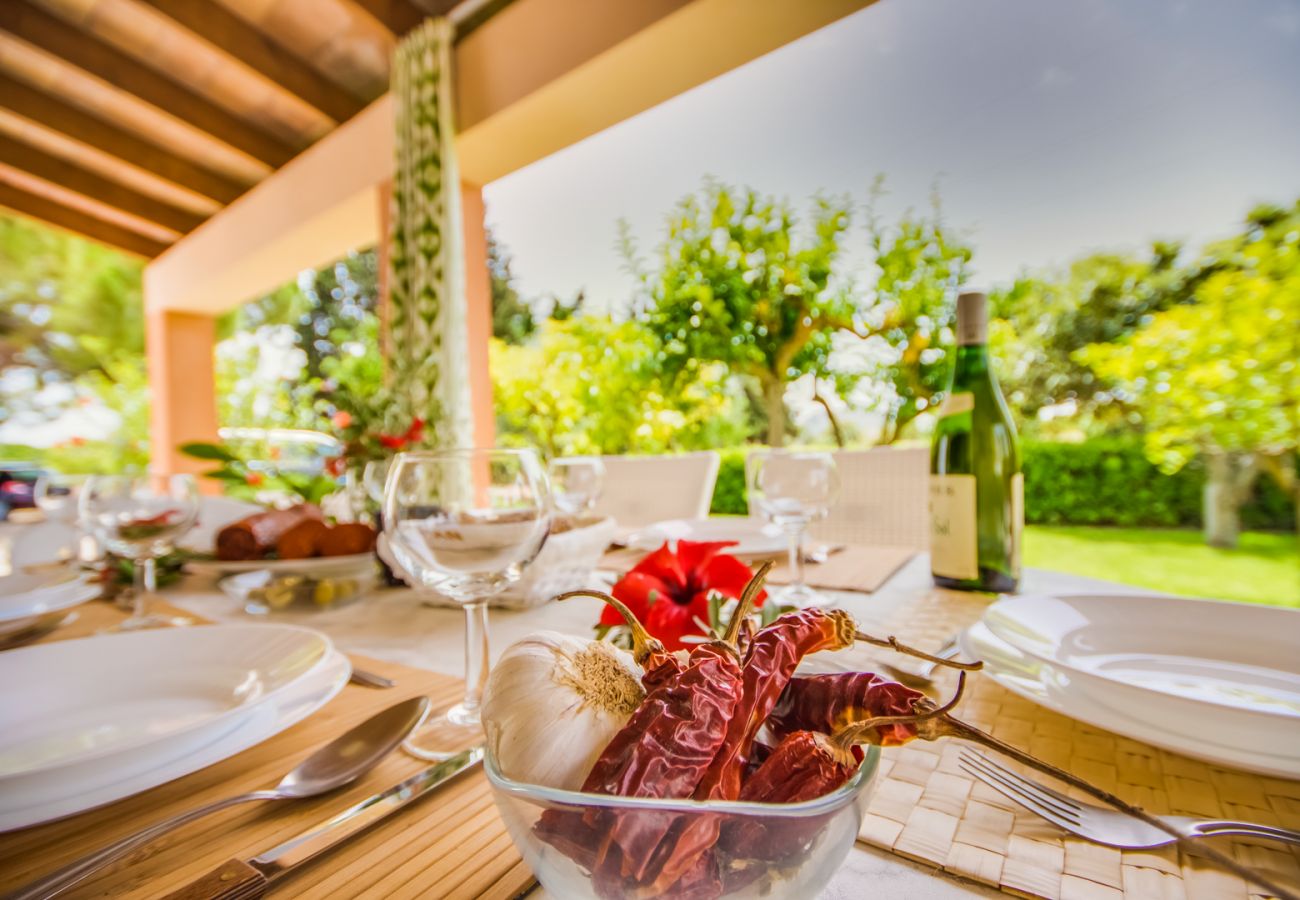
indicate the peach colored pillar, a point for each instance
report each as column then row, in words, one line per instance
column 478, row 296
column 182, row 388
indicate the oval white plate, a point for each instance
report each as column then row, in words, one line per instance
column 317, row 565
column 754, row 537
column 26, row 597
column 1236, row 657
column 105, row 697
column 55, row 795
column 1056, row 690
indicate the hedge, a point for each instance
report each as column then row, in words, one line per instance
column 1104, row 481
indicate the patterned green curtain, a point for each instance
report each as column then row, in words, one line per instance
column 428, row 334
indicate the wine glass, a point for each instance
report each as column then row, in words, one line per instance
column 464, row 523
column 373, row 478
column 576, row 483
column 56, row 496
column 792, row 490
column 140, row 518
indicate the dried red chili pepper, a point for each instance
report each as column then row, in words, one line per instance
column 657, row 664
column 827, row 703
column 806, row 765
column 667, row 744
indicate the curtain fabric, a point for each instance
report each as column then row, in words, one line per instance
column 427, row 322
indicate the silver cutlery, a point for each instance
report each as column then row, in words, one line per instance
column 821, row 554
column 334, row 765
column 245, row 879
column 1100, row 824
column 37, row 630
column 370, row 679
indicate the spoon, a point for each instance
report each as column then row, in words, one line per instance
column 339, row 762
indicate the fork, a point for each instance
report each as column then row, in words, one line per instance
column 1099, row 824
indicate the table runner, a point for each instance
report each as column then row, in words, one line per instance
column 855, row 568
column 449, row 844
column 927, row 809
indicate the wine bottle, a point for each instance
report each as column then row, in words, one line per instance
column 976, row 488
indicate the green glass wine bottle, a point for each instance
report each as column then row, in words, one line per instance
column 976, row 487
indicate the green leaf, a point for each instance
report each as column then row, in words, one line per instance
column 201, row 450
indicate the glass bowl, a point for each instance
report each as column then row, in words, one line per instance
column 763, row 849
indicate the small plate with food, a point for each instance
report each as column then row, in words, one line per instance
column 294, row 540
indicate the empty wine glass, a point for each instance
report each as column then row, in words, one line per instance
column 140, row 518
column 56, row 496
column 576, row 482
column 464, row 523
column 792, row 490
column 374, row 476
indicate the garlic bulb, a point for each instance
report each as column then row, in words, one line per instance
column 552, row 704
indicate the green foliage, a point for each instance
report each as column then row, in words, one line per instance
column 737, row 285
column 1110, row 481
column 120, row 385
column 512, row 318
column 1221, row 374
column 252, row 478
column 730, row 492
column 592, row 385
column 920, row 265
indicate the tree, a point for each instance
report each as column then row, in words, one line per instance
column 737, row 284
column 588, row 384
column 1100, row 298
column 1221, row 376
column 920, row 265
column 512, row 318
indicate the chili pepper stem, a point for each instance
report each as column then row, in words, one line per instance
column 643, row 644
column 746, row 603
column 946, row 726
column 844, row 739
column 893, row 643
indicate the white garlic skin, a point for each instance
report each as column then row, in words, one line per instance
column 552, row 704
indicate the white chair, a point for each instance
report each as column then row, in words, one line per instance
column 642, row 490
column 884, row 499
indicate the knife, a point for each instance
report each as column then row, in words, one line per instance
column 245, row 879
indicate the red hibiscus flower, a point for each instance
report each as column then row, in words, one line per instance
column 669, row 592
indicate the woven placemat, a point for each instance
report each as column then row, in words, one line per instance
column 853, row 568
column 927, row 809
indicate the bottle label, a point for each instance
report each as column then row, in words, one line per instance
column 956, row 404
column 954, row 549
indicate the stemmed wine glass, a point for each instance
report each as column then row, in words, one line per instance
column 56, row 496
column 464, row 523
column 140, row 518
column 576, row 483
column 793, row 490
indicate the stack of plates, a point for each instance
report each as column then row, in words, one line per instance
column 25, row 599
column 1217, row 681
column 90, row 721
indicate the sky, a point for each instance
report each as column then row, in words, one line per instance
column 1051, row 128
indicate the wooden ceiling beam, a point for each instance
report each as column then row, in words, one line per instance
column 87, row 52
column 236, row 38
column 47, row 210
column 71, row 121
column 398, row 16
column 90, row 184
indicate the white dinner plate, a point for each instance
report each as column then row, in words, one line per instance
column 26, row 598
column 351, row 564
column 56, row 795
column 99, row 699
column 1056, row 690
column 754, row 537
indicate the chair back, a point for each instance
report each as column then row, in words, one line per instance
column 642, row 490
column 884, row 499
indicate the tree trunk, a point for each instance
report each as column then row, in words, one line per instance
column 1220, row 507
column 830, row 414
column 1229, row 481
column 774, row 400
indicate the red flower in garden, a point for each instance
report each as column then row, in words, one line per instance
column 413, row 434
column 253, row 479
column 669, row 592
column 342, row 419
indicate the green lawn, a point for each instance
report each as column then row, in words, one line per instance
column 1265, row 568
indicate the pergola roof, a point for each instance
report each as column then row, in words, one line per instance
column 133, row 121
